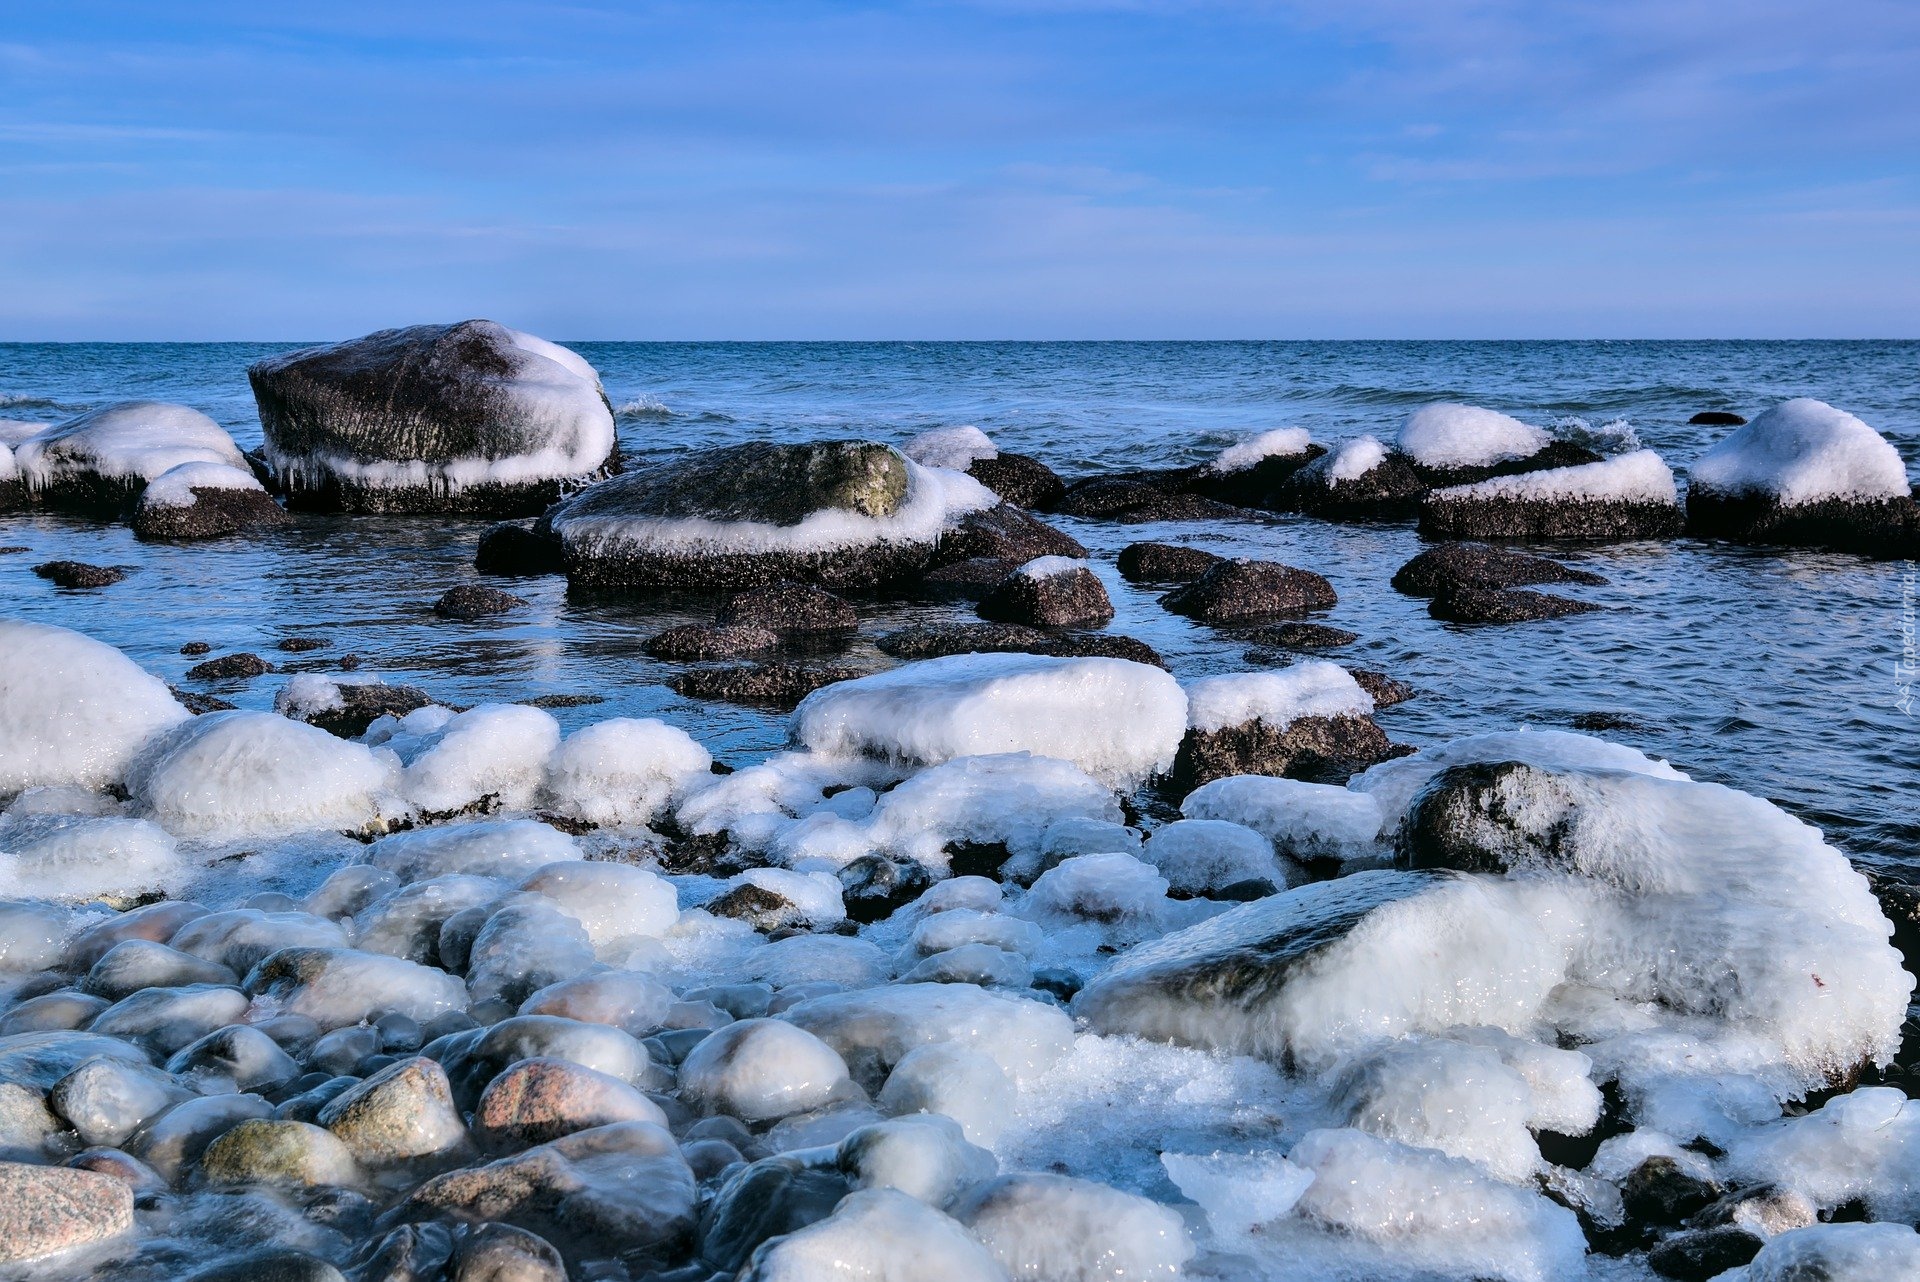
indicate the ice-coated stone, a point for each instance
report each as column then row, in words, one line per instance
column 619, row 905
column 953, row 1081
column 634, row 1003
column 623, row 770
column 407, row 922
column 877, row 1234
column 469, row 417
column 761, row 1069
column 337, row 987
column 537, row 1100
column 526, row 944
column 924, row 1155
column 40, row 1058
column 874, row 1030
column 163, row 1020
column 774, row 1196
column 72, row 710
column 503, row 1253
column 1058, row 1227
column 156, row 922
column 134, row 964
column 174, row 1141
column 399, row 1115
column 240, row 938
column 509, row 849
column 103, row 459
column 237, row 1054
column 475, row 1057
column 45, row 1210
column 50, row 1012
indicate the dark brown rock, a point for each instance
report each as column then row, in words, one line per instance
column 78, row 574
column 967, row 580
column 536, row 1100
column 1318, row 749
column 1659, row 1192
column 363, row 703
column 512, row 549
column 1262, row 485
column 1302, row 636
column 1881, row 528
column 1553, row 454
column 1603, row 722
column 475, row 601
column 760, row 908
column 1700, row 1254
column 1514, row 605
column 1067, row 597
column 1390, row 490
column 1385, row 690
column 790, row 610
column 695, row 641
column 934, row 640
column 1020, row 480
column 1133, row 502
column 780, row 684
column 1164, row 563
column 1717, row 418
column 1475, row 565
column 230, row 666
column 1451, row 514
column 195, row 647
column 213, row 513
column 201, row 704
column 1007, row 533
column 1245, row 591
column 303, row 645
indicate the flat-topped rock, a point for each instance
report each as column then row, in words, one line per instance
column 1474, row 565
column 1248, row 591
column 1164, row 563
column 468, row 418
column 204, row 500
column 1629, row 496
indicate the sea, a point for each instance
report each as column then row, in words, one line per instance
column 1776, row 672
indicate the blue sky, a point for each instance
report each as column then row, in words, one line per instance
column 1002, row 168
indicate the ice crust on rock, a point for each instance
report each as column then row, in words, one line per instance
column 1315, row 688
column 75, row 858
column 956, row 448
column 131, row 442
column 1638, row 477
column 1117, row 720
column 504, row 848
column 497, row 750
column 760, row 1070
column 876, row 1235
column 1448, row 435
column 1801, row 451
column 72, row 710
column 623, row 771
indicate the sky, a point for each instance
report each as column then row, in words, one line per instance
column 723, row 169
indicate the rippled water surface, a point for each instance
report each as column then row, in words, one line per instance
column 1774, row 672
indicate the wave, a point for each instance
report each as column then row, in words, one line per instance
column 643, row 406
column 26, row 401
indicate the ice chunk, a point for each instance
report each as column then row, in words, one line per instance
column 761, row 1069
column 1123, row 895
column 953, row 1081
column 1199, row 856
column 1303, row 821
column 950, row 447
column 1013, row 799
column 1069, row 1230
column 76, row 858
column 72, row 710
column 336, row 987
column 1864, row 1146
column 617, row 903
column 1314, row 688
column 407, row 922
column 1433, row 1093
column 874, row 1030
column 1117, row 720
column 1242, row 1193
column 876, row 1235
column 757, row 804
column 497, row 751
column 924, row 1155
column 623, row 771
column 958, row 927
column 509, row 849
column 238, row 774
column 1245, row 454
column 810, row 898
column 633, row 1003
column 1831, row 1252
column 131, row 441
column 526, row 944
column 1802, row 451
column 175, row 486
column 812, row 959
column 1446, row 435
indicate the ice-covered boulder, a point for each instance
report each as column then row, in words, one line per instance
column 1057, row 1227
column 1206, row 856
column 623, row 771
column 840, row 513
column 1311, row 720
column 510, row 849
column 874, row 1030
column 13, row 490
column 1118, row 721
column 1629, row 496
column 878, row 1235
column 238, row 774
column 204, row 500
column 1806, row 474
column 761, row 1069
column 81, row 857
column 1019, row 479
column 1450, row 444
column 1254, row 472
column 72, row 710
column 102, row 460
column 495, row 754
column 337, row 987
column 472, row 417
column 1361, row 480
column 1049, row 592
column 1830, row 1252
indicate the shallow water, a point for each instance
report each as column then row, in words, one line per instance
column 1770, row 671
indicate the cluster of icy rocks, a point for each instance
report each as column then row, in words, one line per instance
column 923, row 997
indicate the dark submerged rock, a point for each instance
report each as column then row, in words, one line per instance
column 78, row 574
column 1386, row 691
column 432, row 395
column 243, row 665
column 1301, row 636
column 1164, row 563
column 1658, row 1191
column 790, row 610
column 1020, row 480
column 475, row 601
column 1514, row 605
column 1700, row 1254
column 195, row 647
column 201, row 704
column 1717, row 418
column 967, row 580
column 934, row 640
column 1070, row 597
column 708, row 641
column 780, row 684
column 1245, row 591
column 1135, row 502
column 1475, row 565
column 510, row 549
column 303, row 645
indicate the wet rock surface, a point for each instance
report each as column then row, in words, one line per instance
column 1475, row 565
column 79, row 574
column 1019, row 479
column 1250, row 591
column 230, row 666
column 47, row 1210
column 780, row 684
column 933, row 640
column 1048, row 596
column 1164, row 563
column 1316, row 748
column 1512, row 605
column 213, row 513
column 475, row 601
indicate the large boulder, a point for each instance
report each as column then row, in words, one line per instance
column 840, row 513
column 469, row 418
column 1629, row 496
column 1254, row 472
column 1806, row 474
column 102, row 460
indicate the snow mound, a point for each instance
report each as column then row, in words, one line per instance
column 72, row 710
column 230, row 775
column 1117, row 720
column 132, row 441
column 1353, row 459
column 1282, row 441
column 1639, row 477
column 1446, row 435
column 1801, row 451
column 75, row 858
column 510, row 849
column 175, row 486
column 957, row 448
column 623, row 771
column 1314, row 688
column 1303, row 821
column 497, row 751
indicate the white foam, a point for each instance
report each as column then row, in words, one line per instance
column 957, row 448
column 72, row 710
column 1315, row 688
column 1282, row 441
column 1450, row 435
column 1801, row 451
column 1117, row 720
column 1639, row 477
